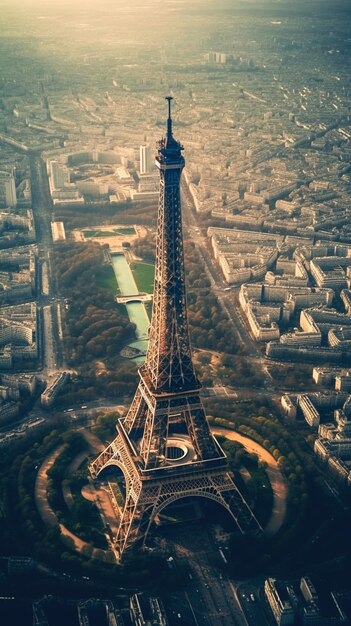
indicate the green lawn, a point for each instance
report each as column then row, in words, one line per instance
column 127, row 230
column 106, row 278
column 99, row 233
column 144, row 276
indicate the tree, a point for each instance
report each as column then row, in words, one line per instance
column 105, row 426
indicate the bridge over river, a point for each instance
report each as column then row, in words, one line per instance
column 133, row 300
column 140, row 297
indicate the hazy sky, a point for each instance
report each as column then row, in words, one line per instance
column 94, row 7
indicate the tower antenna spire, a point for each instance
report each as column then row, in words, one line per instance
column 169, row 120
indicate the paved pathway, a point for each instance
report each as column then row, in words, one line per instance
column 49, row 517
column 275, row 476
column 46, row 513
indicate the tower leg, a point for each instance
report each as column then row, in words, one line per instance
column 145, row 502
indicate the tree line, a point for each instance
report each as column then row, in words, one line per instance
column 95, row 214
column 308, row 500
column 95, row 327
column 24, row 533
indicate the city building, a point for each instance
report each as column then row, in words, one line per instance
column 58, row 175
column 269, row 306
column 17, row 274
column 330, row 414
column 146, row 160
column 279, row 602
column 8, row 196
column 18, row 335
column 216, row 57
column 8, row 410
column 58, row 231
column 16, row 226
column 298, row 602
column 145, row 610
column 49, row 394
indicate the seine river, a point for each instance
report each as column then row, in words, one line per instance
column 136, row 310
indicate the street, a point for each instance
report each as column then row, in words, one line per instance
column 210, row 592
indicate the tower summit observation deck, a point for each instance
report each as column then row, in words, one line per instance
column 164, row 445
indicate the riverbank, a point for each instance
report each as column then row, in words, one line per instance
column 136, row 310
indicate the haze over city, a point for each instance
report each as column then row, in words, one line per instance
column 175, row 312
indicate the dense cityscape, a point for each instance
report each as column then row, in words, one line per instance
column 175, row 313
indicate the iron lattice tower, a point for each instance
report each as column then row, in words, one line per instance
column 164, row 445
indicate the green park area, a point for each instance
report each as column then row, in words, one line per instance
column 115, row 232
column 144, row 276
column 106, row 278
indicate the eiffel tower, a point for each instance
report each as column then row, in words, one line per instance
column 164, row 445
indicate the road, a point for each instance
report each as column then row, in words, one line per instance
column 227, row 299
column 210, row 593
column 213, row 598
column 51, row 353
